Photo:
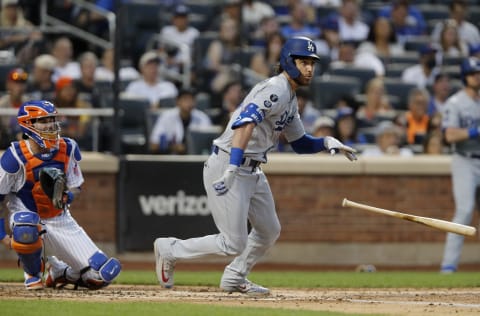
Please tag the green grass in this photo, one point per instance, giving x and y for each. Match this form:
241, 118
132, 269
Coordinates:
51, 307
300, 279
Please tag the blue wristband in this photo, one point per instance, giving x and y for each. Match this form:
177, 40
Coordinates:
2, 228
236, 156
473, 132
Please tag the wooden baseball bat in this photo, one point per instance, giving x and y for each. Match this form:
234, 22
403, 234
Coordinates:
427, 221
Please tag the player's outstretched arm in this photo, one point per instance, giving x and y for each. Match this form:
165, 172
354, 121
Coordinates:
308, 144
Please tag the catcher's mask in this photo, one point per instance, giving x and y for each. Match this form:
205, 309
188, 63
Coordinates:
37, 119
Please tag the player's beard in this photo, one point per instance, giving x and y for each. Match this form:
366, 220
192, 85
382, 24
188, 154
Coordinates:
302, 80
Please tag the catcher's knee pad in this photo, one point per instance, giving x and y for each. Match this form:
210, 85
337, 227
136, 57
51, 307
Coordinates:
26, 231
26, 241
102, 270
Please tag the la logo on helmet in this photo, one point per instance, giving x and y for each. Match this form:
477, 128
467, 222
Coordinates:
310, 46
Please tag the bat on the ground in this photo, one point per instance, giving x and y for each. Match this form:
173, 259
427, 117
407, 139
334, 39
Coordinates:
427, 221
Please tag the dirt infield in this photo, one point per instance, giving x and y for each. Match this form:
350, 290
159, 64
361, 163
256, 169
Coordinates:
356, 301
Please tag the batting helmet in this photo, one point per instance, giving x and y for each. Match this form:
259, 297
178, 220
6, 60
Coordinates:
296, 47
469, 66
45, 135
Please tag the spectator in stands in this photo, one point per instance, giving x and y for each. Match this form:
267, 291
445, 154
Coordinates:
299, 25
220, 60
105, 71
350, 25
62, 50
253, 12
346, 127
441, 90
388, 141
423, 73
85, 85
231, 9
450, 44
169, 132
348, 56
269, 25
377, 107
323, 126
382, 40
408, 21
40, 85
232, 96
263, 63
16, 32
178, 33
467, 30
149, 85
77, 127
16, 83
329, 42
415, 120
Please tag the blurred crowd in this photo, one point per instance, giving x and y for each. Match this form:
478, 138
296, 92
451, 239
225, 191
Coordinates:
386, 70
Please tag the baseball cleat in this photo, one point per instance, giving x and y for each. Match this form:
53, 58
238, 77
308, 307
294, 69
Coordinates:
448, 270
247, 287
56, 271
33, 282
164, 262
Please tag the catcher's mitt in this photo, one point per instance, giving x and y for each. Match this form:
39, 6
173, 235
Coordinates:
54, 183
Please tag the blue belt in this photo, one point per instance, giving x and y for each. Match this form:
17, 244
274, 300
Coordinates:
245, 162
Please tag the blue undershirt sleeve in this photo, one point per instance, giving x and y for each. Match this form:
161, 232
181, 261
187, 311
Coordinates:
307, 144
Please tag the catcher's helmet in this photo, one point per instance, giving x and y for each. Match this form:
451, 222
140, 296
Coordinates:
30, 112
469, 66
298, 46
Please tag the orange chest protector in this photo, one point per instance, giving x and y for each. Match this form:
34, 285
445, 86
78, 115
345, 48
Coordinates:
42, 203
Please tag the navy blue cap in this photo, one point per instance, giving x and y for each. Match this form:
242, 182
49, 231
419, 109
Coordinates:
181, 10
427, 49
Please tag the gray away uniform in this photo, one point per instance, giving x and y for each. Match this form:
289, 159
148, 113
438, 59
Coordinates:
250, 196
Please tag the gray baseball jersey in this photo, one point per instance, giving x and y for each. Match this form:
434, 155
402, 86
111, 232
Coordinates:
463, 112
278, 105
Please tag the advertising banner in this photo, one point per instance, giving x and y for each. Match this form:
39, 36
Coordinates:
161, 198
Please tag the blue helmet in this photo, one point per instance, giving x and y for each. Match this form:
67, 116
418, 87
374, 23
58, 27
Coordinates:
469, 66
46, 135
298, 46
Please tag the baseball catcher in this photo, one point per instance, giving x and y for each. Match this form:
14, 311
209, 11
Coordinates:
41, 177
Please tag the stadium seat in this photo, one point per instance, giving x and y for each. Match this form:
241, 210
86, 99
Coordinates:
134, 125
199, 141
328, 89
364, 75
433, 11
400, 89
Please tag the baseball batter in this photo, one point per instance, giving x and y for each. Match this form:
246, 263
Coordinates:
461, 125
39, 223
236, 186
